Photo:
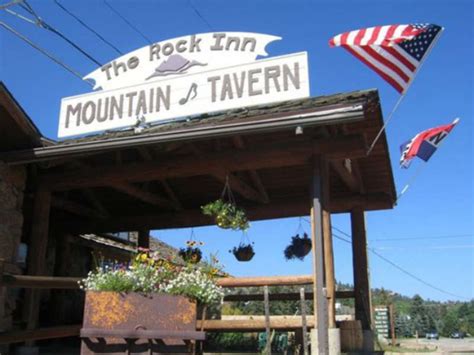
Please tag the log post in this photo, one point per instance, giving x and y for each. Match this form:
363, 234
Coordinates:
268, 345
303, 321
38, 243
361, 276
143, 240
329, 269
319, 336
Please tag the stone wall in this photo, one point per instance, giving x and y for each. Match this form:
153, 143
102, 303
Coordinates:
12, 184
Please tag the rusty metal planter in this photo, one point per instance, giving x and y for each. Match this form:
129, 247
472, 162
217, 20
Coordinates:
122, 323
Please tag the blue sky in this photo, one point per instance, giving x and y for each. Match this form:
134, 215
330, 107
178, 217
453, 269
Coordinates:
438, 204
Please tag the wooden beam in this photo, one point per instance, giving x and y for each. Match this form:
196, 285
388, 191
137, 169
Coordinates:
20, 336
265, 281
329, 269
37, 248
265, 156
143, 195
346, 174
76, 208
281, 296
224, 176
253, 324
171, 195
48, 282
194, 218
238, 185
91, 196
319, 301
240, 144
363, 307
143, 240
148, 156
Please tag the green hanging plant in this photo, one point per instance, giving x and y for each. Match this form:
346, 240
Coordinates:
225, 211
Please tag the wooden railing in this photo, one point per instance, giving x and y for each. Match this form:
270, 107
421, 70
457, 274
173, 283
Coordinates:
49, 282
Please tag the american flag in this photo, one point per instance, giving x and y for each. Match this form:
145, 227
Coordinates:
395, 52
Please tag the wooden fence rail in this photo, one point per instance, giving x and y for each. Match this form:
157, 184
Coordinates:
288, 323
26, 281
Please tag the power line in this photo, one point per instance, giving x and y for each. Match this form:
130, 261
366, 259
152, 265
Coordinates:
414, 276
11, 3
98, 35
392, 263
128, 22
41, 23
421, 238
41, 50
431, 247
403, 270
410, 238
198, 13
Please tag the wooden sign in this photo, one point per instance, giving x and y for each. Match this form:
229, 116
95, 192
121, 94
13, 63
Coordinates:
181, 87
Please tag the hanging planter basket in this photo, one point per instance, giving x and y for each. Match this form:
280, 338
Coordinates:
190, 255
244, 252
225, 212
299, 247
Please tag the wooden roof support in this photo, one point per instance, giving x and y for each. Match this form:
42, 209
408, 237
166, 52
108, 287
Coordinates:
90, 195
188, 218
171, 195
240, 144
268, 156
147, 155
76, 208
236, 184
37, 248
143, 195
345, 172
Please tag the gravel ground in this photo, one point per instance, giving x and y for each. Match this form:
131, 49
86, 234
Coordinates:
443, 345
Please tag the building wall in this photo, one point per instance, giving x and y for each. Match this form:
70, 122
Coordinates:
12, 185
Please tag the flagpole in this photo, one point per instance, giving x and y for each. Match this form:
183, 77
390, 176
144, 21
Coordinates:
404, 93
413, 178
420, 168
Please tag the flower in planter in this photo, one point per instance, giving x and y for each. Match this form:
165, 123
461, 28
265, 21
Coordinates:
244, 252
226, 215
191, 254
148, 275
298, 248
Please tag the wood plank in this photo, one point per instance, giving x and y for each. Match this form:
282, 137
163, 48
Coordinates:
281, 296
47, 282
257, 181
265, 281
272, 155
224, 176
76, 208
171, 195
143, 195
189, 218
346, 175
239, 186
91, 196
19, 336
147, 155
254, 323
